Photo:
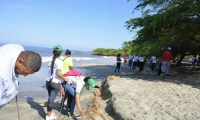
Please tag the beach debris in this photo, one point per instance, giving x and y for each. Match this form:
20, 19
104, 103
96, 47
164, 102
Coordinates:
109, 78
94, 110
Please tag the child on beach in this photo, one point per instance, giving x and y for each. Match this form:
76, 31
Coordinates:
53, 81
74, 88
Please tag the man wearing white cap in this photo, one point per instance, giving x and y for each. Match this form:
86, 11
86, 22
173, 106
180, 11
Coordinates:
167, 56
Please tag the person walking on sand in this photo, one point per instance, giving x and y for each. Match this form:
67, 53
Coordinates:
153, 63
15, 61
130, 59
67, 66
141, 63
167, 56
118, 59
53, 81
74, 88
135, 59
194, 60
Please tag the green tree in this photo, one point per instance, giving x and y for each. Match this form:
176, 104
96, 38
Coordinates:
165, 23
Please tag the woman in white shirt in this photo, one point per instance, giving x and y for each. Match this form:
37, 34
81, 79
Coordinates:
53, 81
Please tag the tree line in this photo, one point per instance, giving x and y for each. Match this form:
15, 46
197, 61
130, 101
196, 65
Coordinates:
174, 23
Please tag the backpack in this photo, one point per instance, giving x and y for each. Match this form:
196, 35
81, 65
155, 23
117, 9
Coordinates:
73, 73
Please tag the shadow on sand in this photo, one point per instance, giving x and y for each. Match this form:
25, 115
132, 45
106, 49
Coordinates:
36, 106
41, 106
177, 75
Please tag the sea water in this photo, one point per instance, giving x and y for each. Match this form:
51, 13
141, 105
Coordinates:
34, 86
79, 58
46, 53
76, 55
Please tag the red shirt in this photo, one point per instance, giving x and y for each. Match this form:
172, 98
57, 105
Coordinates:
125, 57
167, 56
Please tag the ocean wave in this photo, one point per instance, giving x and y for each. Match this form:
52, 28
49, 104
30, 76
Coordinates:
105, 57
48, 58
82, 58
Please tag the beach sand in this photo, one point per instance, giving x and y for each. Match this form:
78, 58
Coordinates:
134, 95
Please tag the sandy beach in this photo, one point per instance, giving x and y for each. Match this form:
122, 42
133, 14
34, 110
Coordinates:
130, 96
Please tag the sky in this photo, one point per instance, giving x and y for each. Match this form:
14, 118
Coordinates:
75, 24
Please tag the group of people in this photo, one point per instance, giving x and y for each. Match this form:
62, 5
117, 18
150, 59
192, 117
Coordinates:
133, 62
139, 61
136, 61
61, 74
61, 78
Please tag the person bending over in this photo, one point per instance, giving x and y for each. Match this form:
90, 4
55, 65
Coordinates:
74, 88
15, 61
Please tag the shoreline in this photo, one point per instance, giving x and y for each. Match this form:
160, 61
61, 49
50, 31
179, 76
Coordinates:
133, 96
33, 84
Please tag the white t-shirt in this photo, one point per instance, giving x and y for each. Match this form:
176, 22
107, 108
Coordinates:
141, 59
77, 82
153, 59
130, 57
58, 64
8, 78
135, 58
118, 59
